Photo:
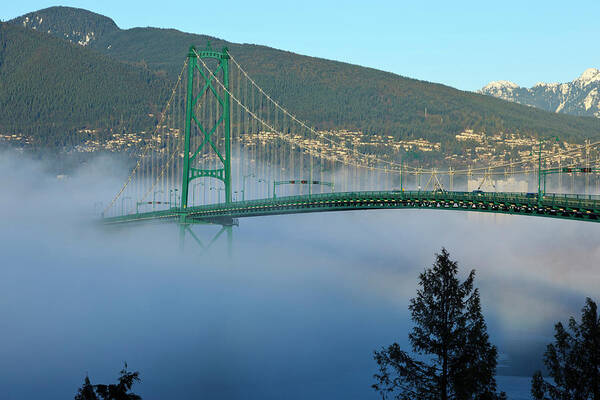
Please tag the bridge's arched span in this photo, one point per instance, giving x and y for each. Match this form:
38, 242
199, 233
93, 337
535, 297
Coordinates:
574, 207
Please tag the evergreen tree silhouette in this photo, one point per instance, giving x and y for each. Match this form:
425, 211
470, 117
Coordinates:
118, 391
450, 331
86, 392
573, 360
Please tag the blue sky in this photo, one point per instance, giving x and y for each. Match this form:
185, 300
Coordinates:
464, 44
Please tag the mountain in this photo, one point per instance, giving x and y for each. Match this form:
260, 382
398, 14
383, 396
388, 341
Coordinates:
53, 90
75, 25
327, 94
578, 97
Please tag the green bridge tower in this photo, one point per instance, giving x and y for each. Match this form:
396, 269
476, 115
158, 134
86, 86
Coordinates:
199, 77
210, 87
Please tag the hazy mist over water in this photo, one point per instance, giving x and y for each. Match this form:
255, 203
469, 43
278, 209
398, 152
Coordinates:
295, 312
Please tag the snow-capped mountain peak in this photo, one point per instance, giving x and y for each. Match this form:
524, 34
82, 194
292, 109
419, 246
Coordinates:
500, 85
579, 97
501, 89
590, 75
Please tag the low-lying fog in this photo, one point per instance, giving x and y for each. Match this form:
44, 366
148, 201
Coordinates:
294, 313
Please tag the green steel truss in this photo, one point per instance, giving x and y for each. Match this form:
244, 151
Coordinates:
196, 72
186, 228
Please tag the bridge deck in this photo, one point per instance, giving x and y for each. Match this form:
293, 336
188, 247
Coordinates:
575, 207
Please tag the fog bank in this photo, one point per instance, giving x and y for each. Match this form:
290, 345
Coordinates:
295, 311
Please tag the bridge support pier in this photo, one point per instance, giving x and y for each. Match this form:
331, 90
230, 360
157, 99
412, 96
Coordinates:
226, 227
182, 229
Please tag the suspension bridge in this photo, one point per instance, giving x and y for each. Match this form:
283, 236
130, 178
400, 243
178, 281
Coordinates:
223, 149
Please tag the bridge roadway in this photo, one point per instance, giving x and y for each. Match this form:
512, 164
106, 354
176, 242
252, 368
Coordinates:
573, 207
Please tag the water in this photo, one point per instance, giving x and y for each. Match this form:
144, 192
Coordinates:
295, 312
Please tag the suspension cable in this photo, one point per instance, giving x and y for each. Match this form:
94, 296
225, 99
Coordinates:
291, 116
276, 131
149, 146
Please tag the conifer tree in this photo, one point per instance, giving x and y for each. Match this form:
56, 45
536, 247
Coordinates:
450, 331
118, 391
86, 392
573, 360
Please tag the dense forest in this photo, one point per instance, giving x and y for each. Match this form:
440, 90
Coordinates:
328, 94
51, 89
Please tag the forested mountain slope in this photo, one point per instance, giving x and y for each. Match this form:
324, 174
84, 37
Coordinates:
50, 88
328, 94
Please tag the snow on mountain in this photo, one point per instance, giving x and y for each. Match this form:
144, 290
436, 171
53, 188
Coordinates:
501, 89
578, 97
501, 85
78, 26
589, 76
544, 84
